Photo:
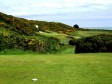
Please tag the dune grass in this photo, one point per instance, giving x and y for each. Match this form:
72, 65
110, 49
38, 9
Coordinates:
56, 69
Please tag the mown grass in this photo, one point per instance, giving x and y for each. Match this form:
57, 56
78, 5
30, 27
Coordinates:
16, 52
56, 69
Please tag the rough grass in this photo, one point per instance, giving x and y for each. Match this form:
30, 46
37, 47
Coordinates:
56, 69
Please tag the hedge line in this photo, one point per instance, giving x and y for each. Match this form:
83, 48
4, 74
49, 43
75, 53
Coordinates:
98, 43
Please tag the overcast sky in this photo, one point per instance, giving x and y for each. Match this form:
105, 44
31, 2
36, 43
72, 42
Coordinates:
85, 13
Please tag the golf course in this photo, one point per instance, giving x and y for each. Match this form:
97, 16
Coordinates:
41, 52
91, 68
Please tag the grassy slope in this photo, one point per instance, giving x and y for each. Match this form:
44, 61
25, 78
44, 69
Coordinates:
56, 69
27, 27
54, 26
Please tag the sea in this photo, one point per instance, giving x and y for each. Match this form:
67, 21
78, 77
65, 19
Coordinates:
102, 28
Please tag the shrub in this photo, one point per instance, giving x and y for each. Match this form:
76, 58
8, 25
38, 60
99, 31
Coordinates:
98, 43
73, 42
44, 45
6, 42
76, 26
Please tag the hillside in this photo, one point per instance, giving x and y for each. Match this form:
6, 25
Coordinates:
28, 27
19, 33
54, 26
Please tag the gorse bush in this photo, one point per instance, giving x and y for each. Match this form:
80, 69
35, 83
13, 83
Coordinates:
6, 42
98, 43
19, 25
33, 44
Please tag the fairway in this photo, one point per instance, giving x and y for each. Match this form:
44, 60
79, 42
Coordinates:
56, 69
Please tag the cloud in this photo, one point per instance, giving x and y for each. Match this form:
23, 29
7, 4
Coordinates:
59, 10
25, 7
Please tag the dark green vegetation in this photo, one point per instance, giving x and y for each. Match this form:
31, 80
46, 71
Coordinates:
92, 41
56, 69
76, 26
97, 43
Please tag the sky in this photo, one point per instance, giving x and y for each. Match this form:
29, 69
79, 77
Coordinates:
85, 13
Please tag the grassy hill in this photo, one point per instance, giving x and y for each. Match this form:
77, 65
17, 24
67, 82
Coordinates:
55, 27
27, 27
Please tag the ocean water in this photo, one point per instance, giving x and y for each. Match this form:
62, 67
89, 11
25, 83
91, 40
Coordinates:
104, 28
